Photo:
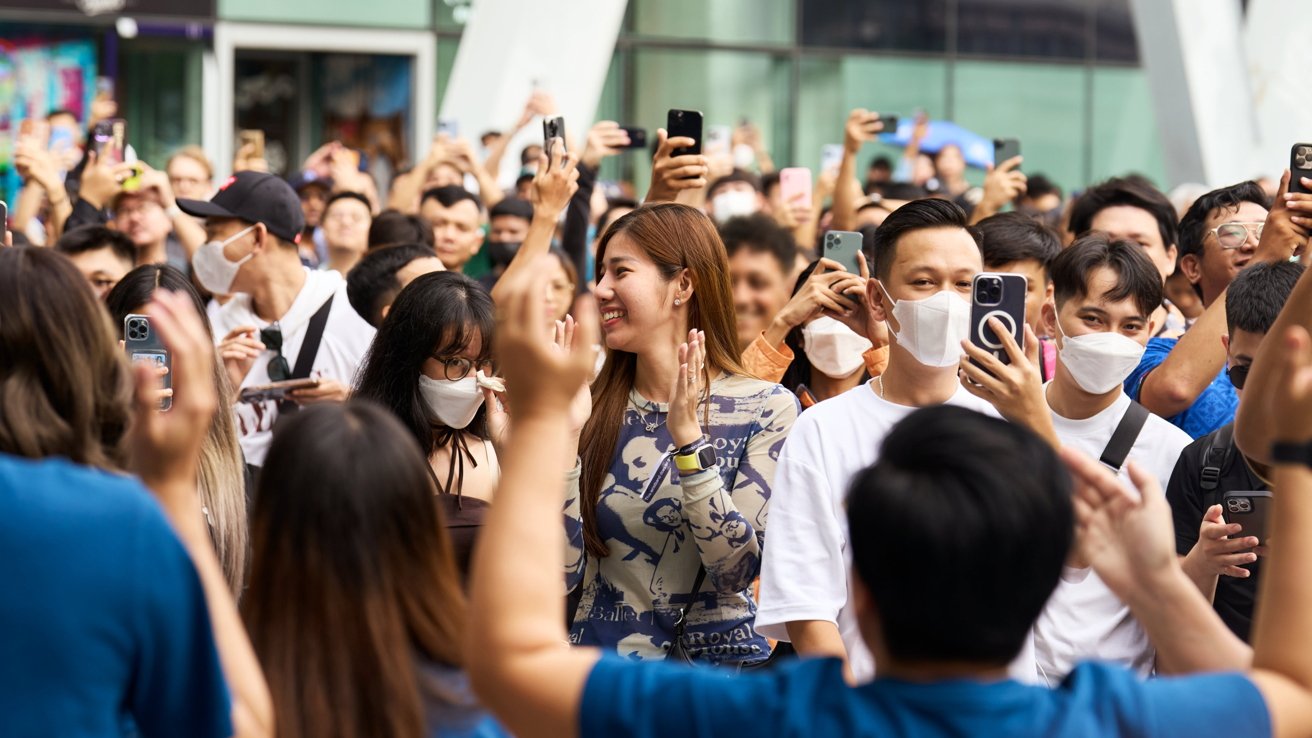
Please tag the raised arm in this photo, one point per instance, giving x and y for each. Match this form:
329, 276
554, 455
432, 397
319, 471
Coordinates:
1002, 185
519, 660
1282, 641
554, 184
671, 175
862, 126
164, 450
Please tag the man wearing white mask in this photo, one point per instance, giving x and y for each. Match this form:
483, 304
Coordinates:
925, 258
1104, 294
284, 321
734, 195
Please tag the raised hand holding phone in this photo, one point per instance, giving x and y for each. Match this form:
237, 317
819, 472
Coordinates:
605, 138
1015, 388
556, 181
670, 173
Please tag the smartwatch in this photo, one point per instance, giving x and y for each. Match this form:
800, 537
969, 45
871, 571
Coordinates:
696, 457
1298, 452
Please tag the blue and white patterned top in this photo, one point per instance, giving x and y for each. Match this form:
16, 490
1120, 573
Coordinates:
660, 527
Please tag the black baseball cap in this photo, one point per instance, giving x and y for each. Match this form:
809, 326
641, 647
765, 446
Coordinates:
255, 197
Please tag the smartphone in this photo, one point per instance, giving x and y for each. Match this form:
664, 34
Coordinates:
842, 247
890, 121
685, 123
831, 157
1002, 296
1004, 149
105, 88
795, 186
718, 140
276, 391
61, 139
553, 128
637, 137
109, 139
449, 126
1300, 165
143, 344
253, 137
1250, 509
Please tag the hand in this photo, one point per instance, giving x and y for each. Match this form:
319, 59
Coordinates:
861, 319
686, 390
825, 184
544, 380
164, 446
829, 290
154, 179
461, 153
581, 408
604, 139
245, 160
100, 182
239, 350
671, 174
1128, 538
498, 420
1003, 184
556, 181
345, 172
1015, 389
1290, 409
328, 390
921, 128
1215, 553
1288, 223
35, 164
539, 102
862, 126
318, 162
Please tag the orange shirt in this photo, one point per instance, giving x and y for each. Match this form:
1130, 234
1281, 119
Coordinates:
770, 363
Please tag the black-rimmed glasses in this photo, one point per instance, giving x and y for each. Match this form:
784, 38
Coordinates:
458, 367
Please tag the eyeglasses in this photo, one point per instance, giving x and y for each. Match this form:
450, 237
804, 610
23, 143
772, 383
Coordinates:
458, 367
271, 337
1235, 235
1238, 374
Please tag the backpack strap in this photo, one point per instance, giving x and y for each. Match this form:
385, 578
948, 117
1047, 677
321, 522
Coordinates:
1126, 433
309, 349
1217, 458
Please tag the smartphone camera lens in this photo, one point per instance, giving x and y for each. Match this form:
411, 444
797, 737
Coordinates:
138, 329
988, 291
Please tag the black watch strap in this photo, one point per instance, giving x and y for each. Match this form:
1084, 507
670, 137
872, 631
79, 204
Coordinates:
1291, 452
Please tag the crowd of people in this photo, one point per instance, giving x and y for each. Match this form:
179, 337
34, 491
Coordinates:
449, 456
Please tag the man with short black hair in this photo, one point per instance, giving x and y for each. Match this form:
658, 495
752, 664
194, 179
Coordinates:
347, 217
508, 223
374, 283
392, 227
103, 255
736, 194
284, 321
1218, 555
1183, 379
457, 218
1018, 244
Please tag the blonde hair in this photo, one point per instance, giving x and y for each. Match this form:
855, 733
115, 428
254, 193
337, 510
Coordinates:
196, 154
221, 484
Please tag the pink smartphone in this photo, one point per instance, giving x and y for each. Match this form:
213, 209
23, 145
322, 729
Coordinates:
795, 186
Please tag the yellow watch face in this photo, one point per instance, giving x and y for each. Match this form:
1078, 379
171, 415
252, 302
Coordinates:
687, 463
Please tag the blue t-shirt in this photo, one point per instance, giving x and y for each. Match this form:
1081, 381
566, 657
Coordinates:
1214, 408
104, 624
809, 698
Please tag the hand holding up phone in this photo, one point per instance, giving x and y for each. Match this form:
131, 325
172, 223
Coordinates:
862, 126
671, 174
1015, 387
606, 138
555, 183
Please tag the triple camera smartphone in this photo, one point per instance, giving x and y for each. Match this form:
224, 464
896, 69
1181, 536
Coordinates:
144, 345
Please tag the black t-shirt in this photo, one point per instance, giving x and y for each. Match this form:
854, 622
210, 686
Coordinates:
1234, 596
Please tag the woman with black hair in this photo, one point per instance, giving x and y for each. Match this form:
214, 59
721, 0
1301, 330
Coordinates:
829, 358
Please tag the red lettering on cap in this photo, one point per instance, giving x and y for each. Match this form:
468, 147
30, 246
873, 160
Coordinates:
224, 186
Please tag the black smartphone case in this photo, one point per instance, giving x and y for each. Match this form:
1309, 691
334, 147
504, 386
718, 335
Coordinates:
842, 247
1004, 149
1249, 509
685, 123
146, 346
552, 128
1300, 165
1011, 311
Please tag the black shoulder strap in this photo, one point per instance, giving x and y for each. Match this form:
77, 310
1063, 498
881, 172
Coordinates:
692, 600
1216, 461
309, 350
1127, 432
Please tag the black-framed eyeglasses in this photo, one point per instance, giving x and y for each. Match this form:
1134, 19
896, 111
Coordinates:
458, 367
1235, 235
279, 369
1238, 374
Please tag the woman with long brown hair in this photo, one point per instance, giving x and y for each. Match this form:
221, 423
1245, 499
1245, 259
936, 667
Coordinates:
221, 472
677, 458
354, 606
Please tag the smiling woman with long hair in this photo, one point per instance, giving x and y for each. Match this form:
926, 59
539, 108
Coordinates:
678, 456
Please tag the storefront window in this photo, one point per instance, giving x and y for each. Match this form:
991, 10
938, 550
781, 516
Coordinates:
891, 25
1054, 29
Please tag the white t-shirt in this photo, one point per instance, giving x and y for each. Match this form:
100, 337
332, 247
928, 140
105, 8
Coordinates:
1083, 619
346, 338
806, 561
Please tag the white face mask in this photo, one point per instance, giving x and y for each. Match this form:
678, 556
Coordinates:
833, 349
1099, 362
732, 204
452, 403
213, 269
932, 329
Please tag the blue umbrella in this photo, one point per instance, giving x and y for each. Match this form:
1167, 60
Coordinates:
977, 150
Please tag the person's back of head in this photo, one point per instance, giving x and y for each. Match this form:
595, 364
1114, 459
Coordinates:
393, 227
1258, 294
978, 548
65, 387
353, 591
374, 283
1012, 237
